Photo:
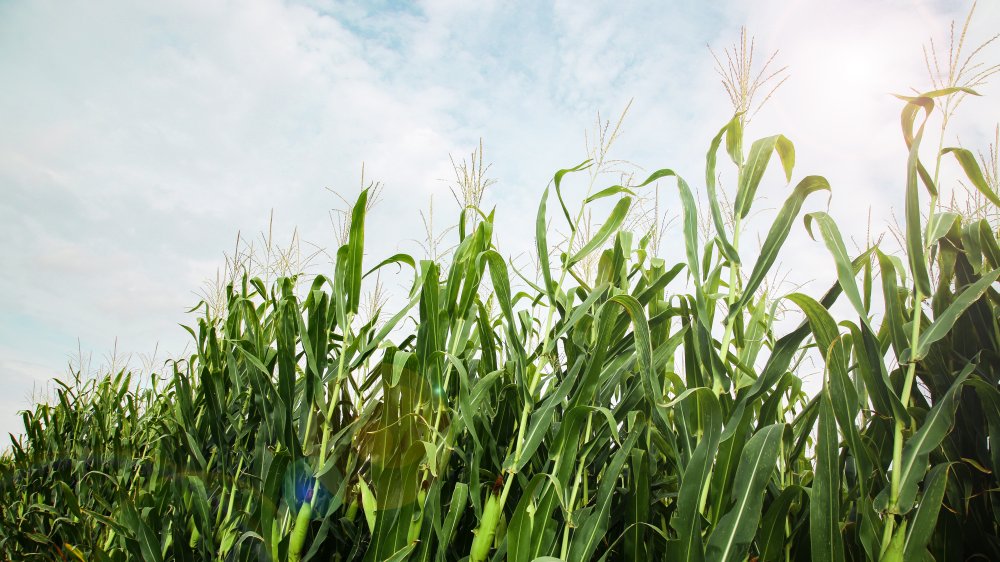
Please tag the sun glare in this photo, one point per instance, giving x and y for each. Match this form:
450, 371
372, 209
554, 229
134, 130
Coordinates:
856, 68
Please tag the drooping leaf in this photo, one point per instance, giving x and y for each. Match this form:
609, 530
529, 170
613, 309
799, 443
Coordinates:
754, 166
734, 134
975, 174
835, 244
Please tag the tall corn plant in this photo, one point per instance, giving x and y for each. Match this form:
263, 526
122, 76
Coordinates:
653, 413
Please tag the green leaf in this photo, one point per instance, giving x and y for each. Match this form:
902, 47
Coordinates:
149, 545
824, 500
946, 320
727, 462
369, 503
971, 167
501, 282
608, 192
731, 538
913, 228
557, 181
755, 165
690, 220
843, 394
401, 554
581, 310
925, 519
643, 344
395, 510
925, 101
542, 248
522, 522
610, 226
990, 398
541, 419
734, 138
943, 223
835, 244
270, 498
777, 235
459, 501
399, 362
781, 357
734, 135
918, 448
872, 370
355, 252
637, 507
595, 525
687, 519
894, 318
988, 239
771, 536
398, 258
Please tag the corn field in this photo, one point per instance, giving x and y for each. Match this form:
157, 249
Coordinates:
652, 411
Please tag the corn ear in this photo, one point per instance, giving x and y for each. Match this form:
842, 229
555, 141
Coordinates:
483, 536
299, 530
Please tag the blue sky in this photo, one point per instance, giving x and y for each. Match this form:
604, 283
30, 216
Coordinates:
139, 138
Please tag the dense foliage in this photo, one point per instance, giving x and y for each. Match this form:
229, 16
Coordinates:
648, 412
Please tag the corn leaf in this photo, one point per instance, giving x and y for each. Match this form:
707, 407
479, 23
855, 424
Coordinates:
733, 133
918, 448
835, 244
771, 537
731, 538
925, 519
753, 169
824, 499
777, 235
687, 519
943, 324
593, 527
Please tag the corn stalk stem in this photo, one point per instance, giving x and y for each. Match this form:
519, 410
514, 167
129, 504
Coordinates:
572, 497
334, 399
734, 275
918, 298
457, 336
734, 278
900, 425
547, 342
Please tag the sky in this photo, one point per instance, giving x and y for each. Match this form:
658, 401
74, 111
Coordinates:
138, 138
